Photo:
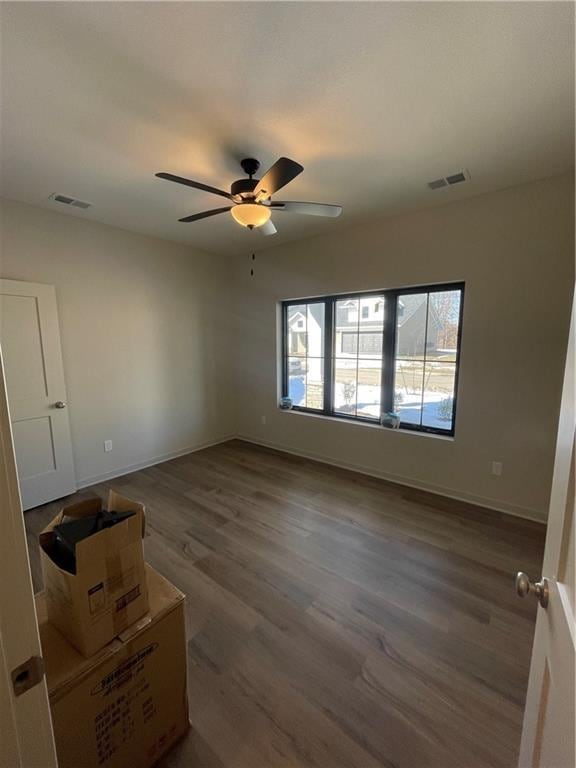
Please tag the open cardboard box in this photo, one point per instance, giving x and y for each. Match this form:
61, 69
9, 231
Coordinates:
127, 704
108, 592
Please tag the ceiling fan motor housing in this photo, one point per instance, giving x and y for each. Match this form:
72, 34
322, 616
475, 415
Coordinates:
243, 187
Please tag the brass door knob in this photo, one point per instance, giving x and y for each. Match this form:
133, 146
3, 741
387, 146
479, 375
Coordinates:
526, 587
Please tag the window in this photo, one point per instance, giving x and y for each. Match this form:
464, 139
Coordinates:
304, 363
361, 355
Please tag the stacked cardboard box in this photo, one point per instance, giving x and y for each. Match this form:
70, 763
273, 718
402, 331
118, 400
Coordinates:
115, 667
106, 592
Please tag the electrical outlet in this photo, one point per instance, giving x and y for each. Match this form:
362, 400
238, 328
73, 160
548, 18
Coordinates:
107, 446
263, 419
497, 468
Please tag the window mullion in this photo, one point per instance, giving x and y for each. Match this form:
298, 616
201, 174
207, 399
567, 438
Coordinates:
357, 353
388, 367
424, 356
285, 350
306, 357
328, 363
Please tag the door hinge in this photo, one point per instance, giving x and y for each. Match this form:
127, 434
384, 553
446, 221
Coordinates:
27, 675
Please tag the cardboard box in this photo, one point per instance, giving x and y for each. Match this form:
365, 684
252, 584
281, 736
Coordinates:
108, 591
127, 704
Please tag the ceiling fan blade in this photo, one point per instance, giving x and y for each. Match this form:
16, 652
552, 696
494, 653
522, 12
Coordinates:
194, 184
205, 214
268, 228
276, 177
310, 209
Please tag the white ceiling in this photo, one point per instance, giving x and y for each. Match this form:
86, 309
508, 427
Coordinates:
374, 99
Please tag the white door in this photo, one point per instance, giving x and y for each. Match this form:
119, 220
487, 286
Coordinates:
548, 733
26, 739
30, 340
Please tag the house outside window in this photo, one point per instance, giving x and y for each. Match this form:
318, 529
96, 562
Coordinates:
362, 355
305, 361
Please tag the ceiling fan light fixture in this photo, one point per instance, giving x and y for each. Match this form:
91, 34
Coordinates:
250, 214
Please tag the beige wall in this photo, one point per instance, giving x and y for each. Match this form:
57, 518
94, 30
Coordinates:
156, 361
144, 328
515, 251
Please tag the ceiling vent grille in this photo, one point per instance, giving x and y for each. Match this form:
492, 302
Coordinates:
448, 181
437, 183
74, 202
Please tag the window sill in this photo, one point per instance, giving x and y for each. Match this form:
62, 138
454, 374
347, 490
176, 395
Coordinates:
367, 424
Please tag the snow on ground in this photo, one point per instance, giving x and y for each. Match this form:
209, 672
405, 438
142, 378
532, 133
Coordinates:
368, 405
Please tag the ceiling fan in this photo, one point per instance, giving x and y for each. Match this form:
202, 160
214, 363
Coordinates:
251, 198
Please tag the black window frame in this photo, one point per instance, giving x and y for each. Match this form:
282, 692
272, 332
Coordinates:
390, 296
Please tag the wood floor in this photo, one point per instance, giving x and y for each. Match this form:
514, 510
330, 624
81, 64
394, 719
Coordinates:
335, 620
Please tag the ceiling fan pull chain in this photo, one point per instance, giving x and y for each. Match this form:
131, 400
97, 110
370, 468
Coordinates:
252, 269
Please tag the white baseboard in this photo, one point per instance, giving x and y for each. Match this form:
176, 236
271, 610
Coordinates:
86, 481
481, 501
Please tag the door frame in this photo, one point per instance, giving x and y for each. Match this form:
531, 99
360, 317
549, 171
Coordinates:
26, 737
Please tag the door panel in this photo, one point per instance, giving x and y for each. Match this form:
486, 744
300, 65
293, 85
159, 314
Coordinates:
557, 745
34, 447
30, 340
22, 347
548, 732
553, 745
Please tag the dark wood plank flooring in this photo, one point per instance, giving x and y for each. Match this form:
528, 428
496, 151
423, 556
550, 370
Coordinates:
335, 620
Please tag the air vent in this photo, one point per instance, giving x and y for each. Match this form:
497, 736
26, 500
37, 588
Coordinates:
456, 178
65, 200
447, 181
437, 183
